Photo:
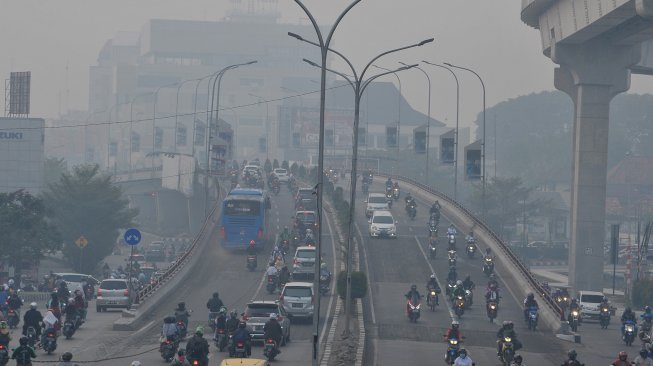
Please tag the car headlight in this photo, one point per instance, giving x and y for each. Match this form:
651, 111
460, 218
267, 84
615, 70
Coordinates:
375, 228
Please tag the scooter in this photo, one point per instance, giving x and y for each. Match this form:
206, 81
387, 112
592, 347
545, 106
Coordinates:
221, 339
532, 318
507, 351
272, 284
471, 249
251, 262
432, 248
50, 342
168, 349
453, 347
68, 329
270, 349
414, 306
13, 318
492, 309
395, 193
4, 355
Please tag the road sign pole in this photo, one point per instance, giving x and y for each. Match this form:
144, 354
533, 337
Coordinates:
131, 268
81, 252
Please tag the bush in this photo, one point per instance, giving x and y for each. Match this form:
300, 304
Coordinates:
642, 293
358, 284
294, 168
301, 171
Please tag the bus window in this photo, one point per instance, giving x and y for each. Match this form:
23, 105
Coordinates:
242, 208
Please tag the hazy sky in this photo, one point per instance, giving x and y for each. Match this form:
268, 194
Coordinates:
59, 40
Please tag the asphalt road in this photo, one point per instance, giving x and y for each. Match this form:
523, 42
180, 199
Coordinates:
395, 264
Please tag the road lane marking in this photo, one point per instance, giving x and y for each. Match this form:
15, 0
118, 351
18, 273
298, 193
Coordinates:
446, 301
333, 295
367, 270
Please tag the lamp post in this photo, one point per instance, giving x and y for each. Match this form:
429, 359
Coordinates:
428, 121
483, 139
359, 85
156, 96
177, 107
324, 49
131, 121
455, 143
398, 114
115, 107
267, 123
214, 96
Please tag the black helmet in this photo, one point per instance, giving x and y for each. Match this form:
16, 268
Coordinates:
628, 310
518, 358
23, 341
181, 352
67, 356
572, 354
233, 314
462, 351
530, 296
181, 306
643, 352
216, 295
413, 287
242, 325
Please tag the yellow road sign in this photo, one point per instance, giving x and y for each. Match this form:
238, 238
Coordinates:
81, 242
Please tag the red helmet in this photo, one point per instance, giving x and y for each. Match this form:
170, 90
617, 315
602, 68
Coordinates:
623, 356
252, 243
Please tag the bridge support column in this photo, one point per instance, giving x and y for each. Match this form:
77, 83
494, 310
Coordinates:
591, 74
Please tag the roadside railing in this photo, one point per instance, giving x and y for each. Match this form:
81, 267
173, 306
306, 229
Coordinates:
523, 270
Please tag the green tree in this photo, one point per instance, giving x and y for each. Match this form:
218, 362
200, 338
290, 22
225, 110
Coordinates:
294, 168
301, 171
27, 232
54, 168
86, 203
267, 166
284, 164
275, 164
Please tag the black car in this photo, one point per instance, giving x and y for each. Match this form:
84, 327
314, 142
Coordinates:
155, 252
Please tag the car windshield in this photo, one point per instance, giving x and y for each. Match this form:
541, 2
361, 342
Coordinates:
74, 277
261, 310
376, 199
383, 220
242, 208
297, 292
305, 254
592, 299
113, 285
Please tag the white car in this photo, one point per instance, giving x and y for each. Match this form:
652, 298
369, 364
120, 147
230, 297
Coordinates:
376, 201
383, 224
282, 175
75, 281
590, 304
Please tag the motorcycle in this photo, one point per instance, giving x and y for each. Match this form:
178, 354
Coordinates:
414, 306
13, 318
272, 284
388, 198
604, 317
452, 258
452, 241
239, 350
532, 318
471, 249
168, 349
68, 329
275, 189
488, 266
629, 332
270, 349
285, 246
451, 285
50, 342
492, 309
325, 282
412, 211
221, 339
4, 355
31, 336
469, 298
453, 346
182, 329
212, 316
432, 299
507, 351
459, 305
395, 193
433, 229
574, 320
251, 262
432, 248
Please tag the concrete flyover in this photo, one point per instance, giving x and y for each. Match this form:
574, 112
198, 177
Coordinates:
597, 44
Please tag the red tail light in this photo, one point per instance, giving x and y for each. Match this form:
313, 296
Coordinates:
2, 346
279, 318
196, 363
270, 341
241, 344
260, 234
167, 341
220, 331
126, 293
245, 318
222, 232
51, 335
99, 292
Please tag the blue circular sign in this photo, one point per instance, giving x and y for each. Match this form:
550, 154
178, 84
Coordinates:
132, 236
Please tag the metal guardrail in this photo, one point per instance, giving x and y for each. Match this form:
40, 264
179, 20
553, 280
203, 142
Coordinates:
526, 273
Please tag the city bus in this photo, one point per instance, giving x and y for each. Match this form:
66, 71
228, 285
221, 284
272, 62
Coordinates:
245, 217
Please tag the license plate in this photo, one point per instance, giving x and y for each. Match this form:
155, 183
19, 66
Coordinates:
297, 305
307, 264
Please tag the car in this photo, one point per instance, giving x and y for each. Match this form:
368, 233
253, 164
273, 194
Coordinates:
113, 293
303, 264
306, 199
282, 175
137, 258
75, 280
148, 271
376, 201
257, 313
296, 299
590, 303
382, 223
309, 218
155, 252
244, 362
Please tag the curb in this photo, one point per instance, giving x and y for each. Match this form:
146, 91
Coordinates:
544, 263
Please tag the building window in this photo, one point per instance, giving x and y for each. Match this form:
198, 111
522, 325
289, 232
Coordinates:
181, 136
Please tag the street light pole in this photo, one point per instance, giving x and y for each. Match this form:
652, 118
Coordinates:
131, 121
115, 107
455, 143
428, 122
177, 106
398, 115
156, 96
267, 123
483, 176
324, 48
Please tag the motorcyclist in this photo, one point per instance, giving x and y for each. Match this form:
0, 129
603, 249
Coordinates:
251, 249
5, 337
181, 359
452, 275
459, 290
198, 348
71, 311
571, 359
66, 360
232, 322
181, 314
451, 230
647, 317
409, 199
435, 208
285, 234
220, 321
215, 303
23, 354
242, 334
14, 302
272, 329
412, 294
169, 329
80, 303
492, 283
50, 322
284, 275
388, 184
622, 359
529, 302
63, 291
470, 238
463, 359
272, 270
517, 361
573, 306
468, 284
507, 330
453, 332
32, 318
433, 284
643, 359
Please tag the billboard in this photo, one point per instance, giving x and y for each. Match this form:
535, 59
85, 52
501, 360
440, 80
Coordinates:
448, 147
301, 125
473, 169
19, 93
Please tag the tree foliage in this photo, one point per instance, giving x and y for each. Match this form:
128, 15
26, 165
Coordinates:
86, 203
27, 232
275, 164
267, 166
284, 164
54, 168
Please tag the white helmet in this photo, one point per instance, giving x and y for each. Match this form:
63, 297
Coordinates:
32, 305
11, 282
459, 283
433, 276
136, 363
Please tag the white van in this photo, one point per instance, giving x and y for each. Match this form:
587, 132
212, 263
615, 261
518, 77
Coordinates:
590, 304
376, 201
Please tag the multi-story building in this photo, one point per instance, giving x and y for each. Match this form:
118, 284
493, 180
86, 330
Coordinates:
21, 154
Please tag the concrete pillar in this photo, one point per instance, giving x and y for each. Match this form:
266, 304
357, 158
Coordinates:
591, 74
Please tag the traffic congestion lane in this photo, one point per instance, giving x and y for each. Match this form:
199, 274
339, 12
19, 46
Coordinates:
474, 323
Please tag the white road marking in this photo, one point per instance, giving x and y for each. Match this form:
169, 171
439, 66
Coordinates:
333, 294
426, 258
367, 270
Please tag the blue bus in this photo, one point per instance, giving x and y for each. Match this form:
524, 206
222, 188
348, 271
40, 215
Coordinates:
245, 217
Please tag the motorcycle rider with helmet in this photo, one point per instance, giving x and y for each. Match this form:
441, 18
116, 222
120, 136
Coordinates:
181, 359
412, 294
435, 208
451, 230
647, 317
507, 330
573, 306
628, 315
408, 199
622, 360
529, 302
285, 235
242, 334
388, 184
66, 360
470, 238
452, 275
468, 284
517, 361
433, 284
459, 290
272, 329
23, 354
572, 361
215, 303
32, 318
463, 359
169, 329
181, 314
643, 359
232, 322
453, 332
251, 249
198, 348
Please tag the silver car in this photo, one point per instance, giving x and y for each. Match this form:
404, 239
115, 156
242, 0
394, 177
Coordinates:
113, 293
297, 299
303, 264
258, 313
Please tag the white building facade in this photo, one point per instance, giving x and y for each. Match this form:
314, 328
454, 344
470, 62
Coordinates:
22, 154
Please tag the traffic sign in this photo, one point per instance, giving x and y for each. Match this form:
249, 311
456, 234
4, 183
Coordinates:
132, 236
81, 242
